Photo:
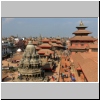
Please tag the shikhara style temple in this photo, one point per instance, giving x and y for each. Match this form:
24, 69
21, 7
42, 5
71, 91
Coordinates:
30, 64
81, 40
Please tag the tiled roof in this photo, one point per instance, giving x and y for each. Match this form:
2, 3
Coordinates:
91, 55
61, 45
83, 38
45, 45
47, 53
89, 67
43, 51
54, 44
45, 40
59, 42
77, 47
82, 31
17, 56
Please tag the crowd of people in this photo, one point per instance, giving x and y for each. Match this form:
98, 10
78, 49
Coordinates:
69, 74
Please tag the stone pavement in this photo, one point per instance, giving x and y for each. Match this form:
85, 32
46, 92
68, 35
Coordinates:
5, 63
56, 74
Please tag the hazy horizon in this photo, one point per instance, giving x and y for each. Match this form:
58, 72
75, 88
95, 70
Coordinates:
47, 27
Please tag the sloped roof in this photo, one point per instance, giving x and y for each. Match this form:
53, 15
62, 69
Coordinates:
45, 40
43, 51
82, 31
59, 42
61, 45
55, 44
17, 56
77, 47
89, 66
83, 38
45, 45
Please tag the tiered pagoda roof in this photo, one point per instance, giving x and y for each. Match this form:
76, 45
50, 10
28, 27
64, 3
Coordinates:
82, 38
45, 45
45, 40
81, 34
43, 51
81, 29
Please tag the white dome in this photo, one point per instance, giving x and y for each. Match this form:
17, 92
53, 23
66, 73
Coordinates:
2, 41
19, 50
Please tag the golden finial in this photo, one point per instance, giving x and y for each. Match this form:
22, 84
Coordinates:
81, 23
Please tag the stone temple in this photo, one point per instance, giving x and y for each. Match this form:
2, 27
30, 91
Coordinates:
30, 64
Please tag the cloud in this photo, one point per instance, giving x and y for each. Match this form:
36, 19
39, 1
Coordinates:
7, 20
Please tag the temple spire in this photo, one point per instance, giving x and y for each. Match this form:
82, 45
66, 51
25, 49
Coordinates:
81, 23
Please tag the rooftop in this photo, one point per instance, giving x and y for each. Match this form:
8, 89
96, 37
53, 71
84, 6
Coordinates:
82, 31
88, 63
45, 40
43, 51
83, 38
45, 45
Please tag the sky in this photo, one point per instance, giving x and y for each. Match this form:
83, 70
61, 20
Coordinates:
47, 27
